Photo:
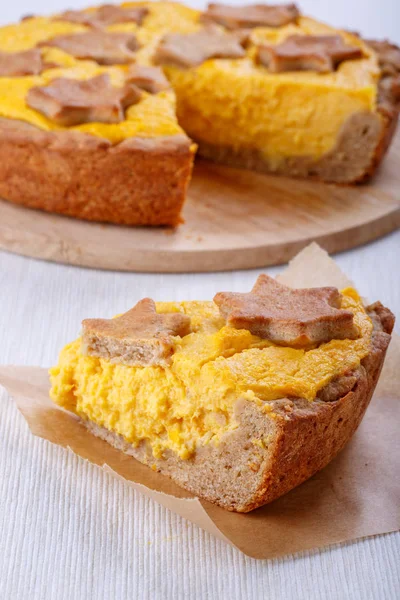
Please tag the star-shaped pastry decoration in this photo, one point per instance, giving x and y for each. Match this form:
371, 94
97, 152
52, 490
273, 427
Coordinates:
103, 47
299, 318
18, 64
70, 102
105, 15
192, 49
150, 79
322, 53
140, 337
250, 16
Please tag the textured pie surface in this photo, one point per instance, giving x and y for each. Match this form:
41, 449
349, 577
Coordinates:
191, 401
221, 100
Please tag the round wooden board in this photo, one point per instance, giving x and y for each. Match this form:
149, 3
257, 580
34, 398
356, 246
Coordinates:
234, 219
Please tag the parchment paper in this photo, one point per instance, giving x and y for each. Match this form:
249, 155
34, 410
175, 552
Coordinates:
357, 495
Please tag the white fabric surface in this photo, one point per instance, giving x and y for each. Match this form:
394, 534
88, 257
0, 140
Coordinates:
70, 531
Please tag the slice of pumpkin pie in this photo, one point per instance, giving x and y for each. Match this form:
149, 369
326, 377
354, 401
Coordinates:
237, 400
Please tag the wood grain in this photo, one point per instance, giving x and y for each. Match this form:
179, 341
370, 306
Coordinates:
234, 219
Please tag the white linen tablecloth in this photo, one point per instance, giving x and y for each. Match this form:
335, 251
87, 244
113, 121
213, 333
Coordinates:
70, 531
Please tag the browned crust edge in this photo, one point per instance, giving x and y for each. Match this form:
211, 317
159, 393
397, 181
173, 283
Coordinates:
305, 437
389, 127
141, 181
389, 110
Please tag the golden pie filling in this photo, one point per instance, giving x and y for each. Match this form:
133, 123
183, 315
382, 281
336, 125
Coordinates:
239, 104
191, 403
223, 102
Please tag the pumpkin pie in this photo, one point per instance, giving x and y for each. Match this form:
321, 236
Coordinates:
239, 399
102, 109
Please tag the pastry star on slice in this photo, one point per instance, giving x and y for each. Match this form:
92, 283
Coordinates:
103, 47
105, 15
254, 15
192, 49
292, 317
322, 53
70, 102
140, 337
16, 64
150, 79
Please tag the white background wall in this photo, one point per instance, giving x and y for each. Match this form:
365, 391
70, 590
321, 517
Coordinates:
373, 18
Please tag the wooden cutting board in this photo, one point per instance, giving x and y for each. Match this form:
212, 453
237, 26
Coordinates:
234, 219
